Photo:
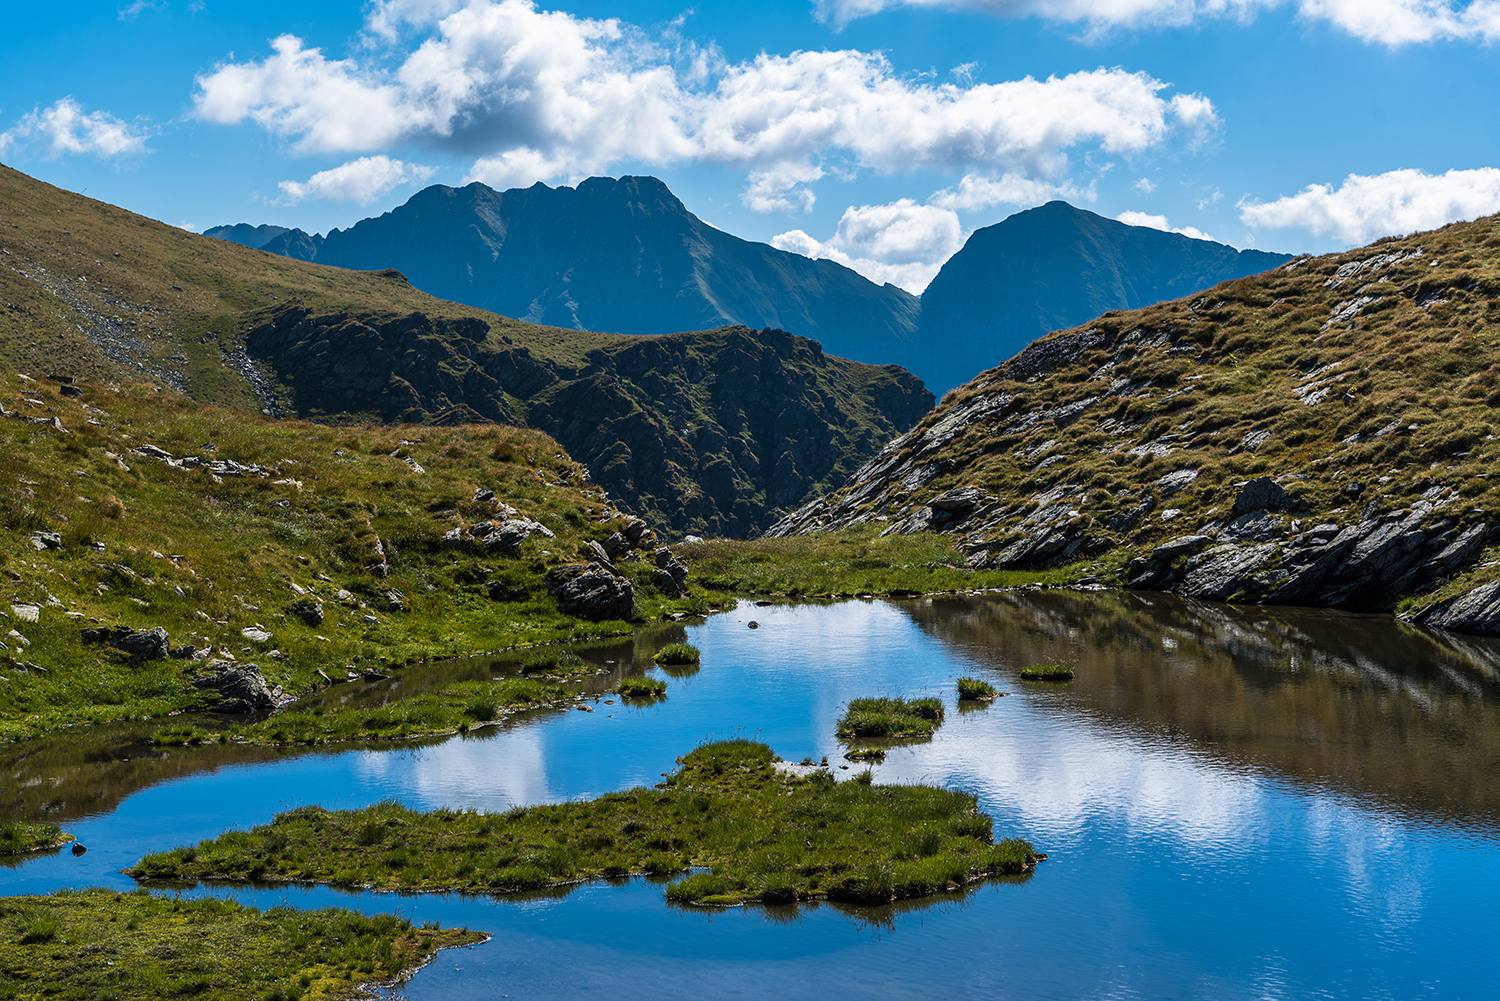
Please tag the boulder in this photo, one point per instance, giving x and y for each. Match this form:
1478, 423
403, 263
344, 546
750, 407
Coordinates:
1261, 494
1476, 611
394, 600
671, 573
141, 644
42, 541
508, 535
240, 686
591, 591
256, 634
595, 551
309, 611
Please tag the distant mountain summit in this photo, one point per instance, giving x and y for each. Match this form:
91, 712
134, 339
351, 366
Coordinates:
626, 256
1051, 268
615, 255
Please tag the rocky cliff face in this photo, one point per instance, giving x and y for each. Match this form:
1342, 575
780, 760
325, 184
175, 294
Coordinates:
618, 255
1322, 434
716, 432
1050, 268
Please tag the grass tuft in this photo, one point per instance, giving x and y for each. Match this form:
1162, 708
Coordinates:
975, 690
642, 688
890, 717
1048, 672
678, 653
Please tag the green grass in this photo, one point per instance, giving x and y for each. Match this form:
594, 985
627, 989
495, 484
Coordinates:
763, 835
95, 945
556, 663
207, 559
678, 653
19, 837
642, 688
890, 717
847, 563
975, 689
1048, 672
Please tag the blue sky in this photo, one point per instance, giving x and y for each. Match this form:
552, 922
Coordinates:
876, 132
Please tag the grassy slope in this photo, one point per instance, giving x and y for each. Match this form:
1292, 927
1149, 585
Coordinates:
97, 945
1208, 372
119, 264
242, 544
767, 836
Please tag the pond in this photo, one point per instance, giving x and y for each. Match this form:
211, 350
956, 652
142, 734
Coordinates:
1237, 803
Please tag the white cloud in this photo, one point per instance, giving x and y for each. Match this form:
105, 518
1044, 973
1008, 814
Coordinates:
133, 10
66, 129
1160, 222
1395, 203
361, 181
780, 189
1144, 186
1386, 22
903, 243
975, 192
543, 95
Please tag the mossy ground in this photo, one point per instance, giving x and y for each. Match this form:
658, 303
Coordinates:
153, 545
848, 563
19, 837
98, 945
765, 835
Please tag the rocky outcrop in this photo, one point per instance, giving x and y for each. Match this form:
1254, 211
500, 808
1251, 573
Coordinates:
1476, 611
241, 688
140, 644
719, 431
591, 591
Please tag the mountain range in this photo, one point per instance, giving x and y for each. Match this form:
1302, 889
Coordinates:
626, 256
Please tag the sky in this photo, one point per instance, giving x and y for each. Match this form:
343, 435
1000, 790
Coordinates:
879, 133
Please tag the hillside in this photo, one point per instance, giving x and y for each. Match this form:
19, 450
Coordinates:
1050, 268
746, 425
294, 547
1323, 434
621, 255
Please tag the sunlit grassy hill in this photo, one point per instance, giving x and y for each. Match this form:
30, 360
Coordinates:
1364, 384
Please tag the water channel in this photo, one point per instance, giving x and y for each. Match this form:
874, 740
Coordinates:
1237, 803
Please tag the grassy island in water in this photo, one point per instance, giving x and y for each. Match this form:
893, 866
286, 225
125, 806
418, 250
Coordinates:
753, 829
98, 945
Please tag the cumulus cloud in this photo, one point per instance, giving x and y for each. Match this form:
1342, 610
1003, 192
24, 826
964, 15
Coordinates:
903, 243
1395, 203
975, 192
543, 95
1385, 22
361, 181
1145, 186
65, 128
1160, 222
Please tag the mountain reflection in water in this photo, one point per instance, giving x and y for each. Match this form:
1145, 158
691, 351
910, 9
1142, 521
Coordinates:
1363, 704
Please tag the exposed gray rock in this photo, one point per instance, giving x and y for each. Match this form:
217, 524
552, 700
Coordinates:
1223, 571
42, 541
1476, 611
596, 551
671, 573
142, 644
1175, 481
634, 529
256, 634
394, 599
241, 687
1261, 494
615, 545
309, 611
509, 535
591, 591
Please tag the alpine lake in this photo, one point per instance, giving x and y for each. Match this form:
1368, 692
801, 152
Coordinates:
1236, 802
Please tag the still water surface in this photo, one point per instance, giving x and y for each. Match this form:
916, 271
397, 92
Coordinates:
1238, 803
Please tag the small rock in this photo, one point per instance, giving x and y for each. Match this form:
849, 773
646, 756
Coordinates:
370, 620
395, 600
753, 624
691, 539
255, 634
483, 496
142, 644
21, 641
26, 612
78, 848
42, 541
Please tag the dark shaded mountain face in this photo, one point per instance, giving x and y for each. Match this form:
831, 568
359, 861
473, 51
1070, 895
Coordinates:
616, 255
246, 234
719, 431
1050, 268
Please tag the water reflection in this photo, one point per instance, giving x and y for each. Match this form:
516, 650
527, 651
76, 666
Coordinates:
1358, 703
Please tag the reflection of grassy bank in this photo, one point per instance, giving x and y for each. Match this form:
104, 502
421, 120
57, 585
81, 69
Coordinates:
856, 561
18, 838
99, 944
765, 835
